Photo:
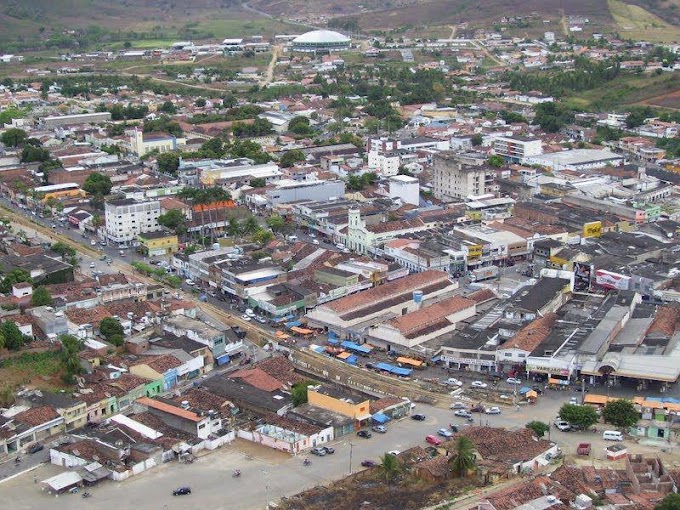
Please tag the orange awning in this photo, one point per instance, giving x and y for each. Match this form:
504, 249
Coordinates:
344, 355
409, 361
591, 398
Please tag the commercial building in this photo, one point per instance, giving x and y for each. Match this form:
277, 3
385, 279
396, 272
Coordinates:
286, 191
126, 218
459, 176
321, 41
575, 159
57, 191
516, 149
405, 188
81, 118
158, 243
364, 238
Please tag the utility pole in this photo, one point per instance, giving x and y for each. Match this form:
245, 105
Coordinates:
351, 447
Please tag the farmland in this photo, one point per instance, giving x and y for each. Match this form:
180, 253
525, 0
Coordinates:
637, 23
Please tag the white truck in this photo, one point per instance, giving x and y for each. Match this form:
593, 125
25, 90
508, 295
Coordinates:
483, 273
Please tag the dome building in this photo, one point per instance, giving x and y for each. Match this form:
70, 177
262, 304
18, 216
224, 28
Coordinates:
318, 41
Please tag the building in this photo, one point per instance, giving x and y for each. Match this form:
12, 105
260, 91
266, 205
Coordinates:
459, 176
286, 190
353, 315
515, 149
58, 191
73, 411
417, 255
363, 238
423, 324
575, 159
199, 424
127, 218
143, 143
158, 243
346, 404
405, 188
81, 118
203, 333
321, 41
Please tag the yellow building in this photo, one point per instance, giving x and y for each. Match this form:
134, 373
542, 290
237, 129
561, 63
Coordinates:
158, 243
345, 404
57, 191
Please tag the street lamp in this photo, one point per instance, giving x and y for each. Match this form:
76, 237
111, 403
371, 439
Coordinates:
351, 447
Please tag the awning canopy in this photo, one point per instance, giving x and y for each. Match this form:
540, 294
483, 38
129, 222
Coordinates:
356, 347
380, 418
63, 481
223, 360
363, 417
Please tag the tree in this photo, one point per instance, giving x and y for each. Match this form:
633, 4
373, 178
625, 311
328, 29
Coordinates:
98, 184
464, 459
16, 275
250, 225
168, 163
276, 223
32, 154
258, 182
263, 236
200, 102
112, 330
538, 427
174, 220
299, 125
670, 502
552, 116
496, 161
41, 297
291, 157
13, 137
14, 339
620, 413
581, 416
390, 467
168, 107
476, 140
233, 228
70, 346
298, 392
638, 116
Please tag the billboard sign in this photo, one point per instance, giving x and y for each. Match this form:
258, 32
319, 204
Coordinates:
592, 229
582, 276
611, 280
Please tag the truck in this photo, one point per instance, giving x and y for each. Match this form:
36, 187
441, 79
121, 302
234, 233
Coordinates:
483, 273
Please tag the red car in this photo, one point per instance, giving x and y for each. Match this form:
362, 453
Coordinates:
433, 440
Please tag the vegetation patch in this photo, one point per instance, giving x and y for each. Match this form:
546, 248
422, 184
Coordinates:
637, 23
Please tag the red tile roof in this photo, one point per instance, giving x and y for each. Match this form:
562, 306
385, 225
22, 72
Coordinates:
37, 415
417, 322
258, 378
169, 409
531, 335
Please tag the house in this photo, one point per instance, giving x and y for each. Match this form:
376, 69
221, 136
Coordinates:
247, 396
522, 344
203, 333
101, 401
288, 435
44, 270
341, 402
167, 368
21, 426
364, 238
154, 244
198, 424
73, 411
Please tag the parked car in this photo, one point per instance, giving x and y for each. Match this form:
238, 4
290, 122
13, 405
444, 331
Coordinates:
462, 413
434, 440
261, 320
93, 243
181, 491
394, 452
329, 450
364, 433
479, 408
513, 380
315, 241
245, 317
92, 265
380, 429
189, 282
418, 417
479, 384
574, 401
369, 463
493, 410
452, 381
318, 451
35, 448
444, 433
562, 425
458, 405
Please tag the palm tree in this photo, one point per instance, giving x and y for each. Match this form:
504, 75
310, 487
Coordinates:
464, 459
389, 465
250, 225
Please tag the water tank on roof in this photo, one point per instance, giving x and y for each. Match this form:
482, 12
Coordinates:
185, 404
418, 297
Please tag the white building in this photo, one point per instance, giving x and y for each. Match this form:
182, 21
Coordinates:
141, 144
386, 164
458, 176
517, 148
576, 159
406, 188
127, 218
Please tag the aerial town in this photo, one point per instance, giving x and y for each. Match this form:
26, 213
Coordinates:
301, 264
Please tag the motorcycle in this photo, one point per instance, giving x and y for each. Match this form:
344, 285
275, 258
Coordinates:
306, 462
87, 495
236, 473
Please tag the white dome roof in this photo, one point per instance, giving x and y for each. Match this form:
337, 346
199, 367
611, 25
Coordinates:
321, 37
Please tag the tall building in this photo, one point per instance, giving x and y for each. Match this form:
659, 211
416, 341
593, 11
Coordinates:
517, 148
126, 218
459, 176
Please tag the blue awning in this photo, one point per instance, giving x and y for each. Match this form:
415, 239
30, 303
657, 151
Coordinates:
380, 418
393, 370
223, 360
352, 360
436, 359
333, 341
384, 366
293, 324
524, 389
356, 347
320, 349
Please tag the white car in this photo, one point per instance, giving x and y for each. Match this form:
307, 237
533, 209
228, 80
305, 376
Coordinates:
479, 384
492, 410
562, 425
444, 433
452, 381
315, 241
513, 380
458, 405
245, 317
189, 282
93, 243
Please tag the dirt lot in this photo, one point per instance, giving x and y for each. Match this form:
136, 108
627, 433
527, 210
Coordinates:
34, 368
368, 489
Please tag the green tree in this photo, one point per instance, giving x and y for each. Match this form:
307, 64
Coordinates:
168, 163
538, 427
669, 502
41, 297
112, 330
637, 116
32, 154
298, 392
14, 339
258, 182
390, 467
463, 458
70, 346
299, 125
13, 137
168, 107
98, 184
250, 225
291, 157
581, 416
200, 102
174, 220
496, 161
620, 413
233, 228
276, 223
476, 140
16, 275
552, 116
263, 236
